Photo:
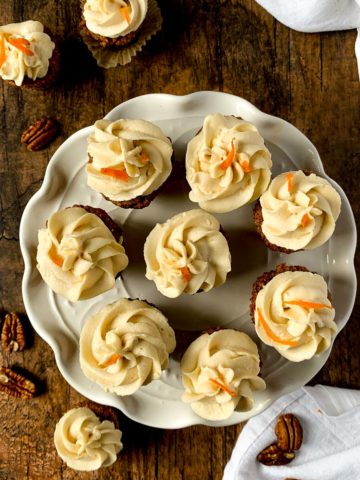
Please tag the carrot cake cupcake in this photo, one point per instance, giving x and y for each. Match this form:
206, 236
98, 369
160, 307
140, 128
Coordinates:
297, 212
88, 437
114, 23
125, 345
292, 312
188, 253
80, 252
28, 56
227, 164
220, 372
129, 160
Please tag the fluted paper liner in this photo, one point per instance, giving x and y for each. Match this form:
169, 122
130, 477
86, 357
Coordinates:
110, 57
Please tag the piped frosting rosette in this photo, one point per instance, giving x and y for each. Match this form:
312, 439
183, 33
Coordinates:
188, 253
77, 255
84, 442
114, 18
227, 164
294, 315
25, 51
128, 158
125, 345
299, 211
220, 373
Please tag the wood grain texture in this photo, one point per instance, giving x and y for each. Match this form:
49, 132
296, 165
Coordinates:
226, 45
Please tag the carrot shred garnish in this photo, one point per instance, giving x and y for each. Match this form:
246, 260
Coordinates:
305, 220
113, 359
55, 257
21, 44
116, 173
223, 387
144, 157
303, 303
289, 178
186, 273
229, 158
245, 165
271, 334
2, 49
126, 14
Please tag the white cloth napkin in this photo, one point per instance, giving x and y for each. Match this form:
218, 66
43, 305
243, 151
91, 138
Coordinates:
331, 438
317, 16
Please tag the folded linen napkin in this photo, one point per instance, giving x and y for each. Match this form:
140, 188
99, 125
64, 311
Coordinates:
330, 418
317, 16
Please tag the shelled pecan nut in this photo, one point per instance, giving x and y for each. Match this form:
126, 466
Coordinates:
273, 455
289, 432
39, 134
12, 333
16, 385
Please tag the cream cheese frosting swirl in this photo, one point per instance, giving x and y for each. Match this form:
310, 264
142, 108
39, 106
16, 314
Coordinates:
25, 50
187, 253
128, 158
85, 443
125, 345
299, 211
227, 164
114, 18
294, 315
220, 372
77, 255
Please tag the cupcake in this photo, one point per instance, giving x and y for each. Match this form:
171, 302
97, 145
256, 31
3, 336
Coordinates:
88, 437
187, 254
297, 212
113, 23
129, 161
125, 345
292, 312
227, 164
220, 373
80, 252
28, 56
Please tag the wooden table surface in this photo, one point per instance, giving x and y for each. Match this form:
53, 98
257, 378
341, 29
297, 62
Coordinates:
234, 46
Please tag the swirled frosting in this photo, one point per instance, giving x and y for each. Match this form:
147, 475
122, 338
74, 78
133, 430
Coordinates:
227, 164
299, 211
114, 18
125, 345
187, 253
77, 255
294, 315
25, 50
128, 158
85, 443
220, 372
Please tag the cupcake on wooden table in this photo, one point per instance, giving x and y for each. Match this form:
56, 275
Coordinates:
292, 311
227, 164
28, 56
297, 212
129, 161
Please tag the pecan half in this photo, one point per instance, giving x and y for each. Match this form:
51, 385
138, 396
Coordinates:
289, 432
39, 134
273, 455
12, 333
16, 385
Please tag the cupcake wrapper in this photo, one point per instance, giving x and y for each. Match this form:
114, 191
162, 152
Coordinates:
109, 57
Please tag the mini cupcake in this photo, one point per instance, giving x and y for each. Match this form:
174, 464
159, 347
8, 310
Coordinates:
227, 164
129, 161
292, 312
88, 437
113, 23
125, 345
297, 212
220, 373
80, 252
187, 254
28, 56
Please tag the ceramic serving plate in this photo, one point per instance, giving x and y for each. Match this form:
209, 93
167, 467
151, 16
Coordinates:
59, 322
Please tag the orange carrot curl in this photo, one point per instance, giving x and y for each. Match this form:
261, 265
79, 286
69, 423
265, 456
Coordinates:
116, 173
2, 49
223, 387
144, 157
55, 257
314, 305
289, 178
245, 165
126, 14
305, 220
229, 158
271, 334
21, 44
186, 274
113, 359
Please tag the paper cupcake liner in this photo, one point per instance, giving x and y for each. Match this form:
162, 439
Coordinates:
109, 57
